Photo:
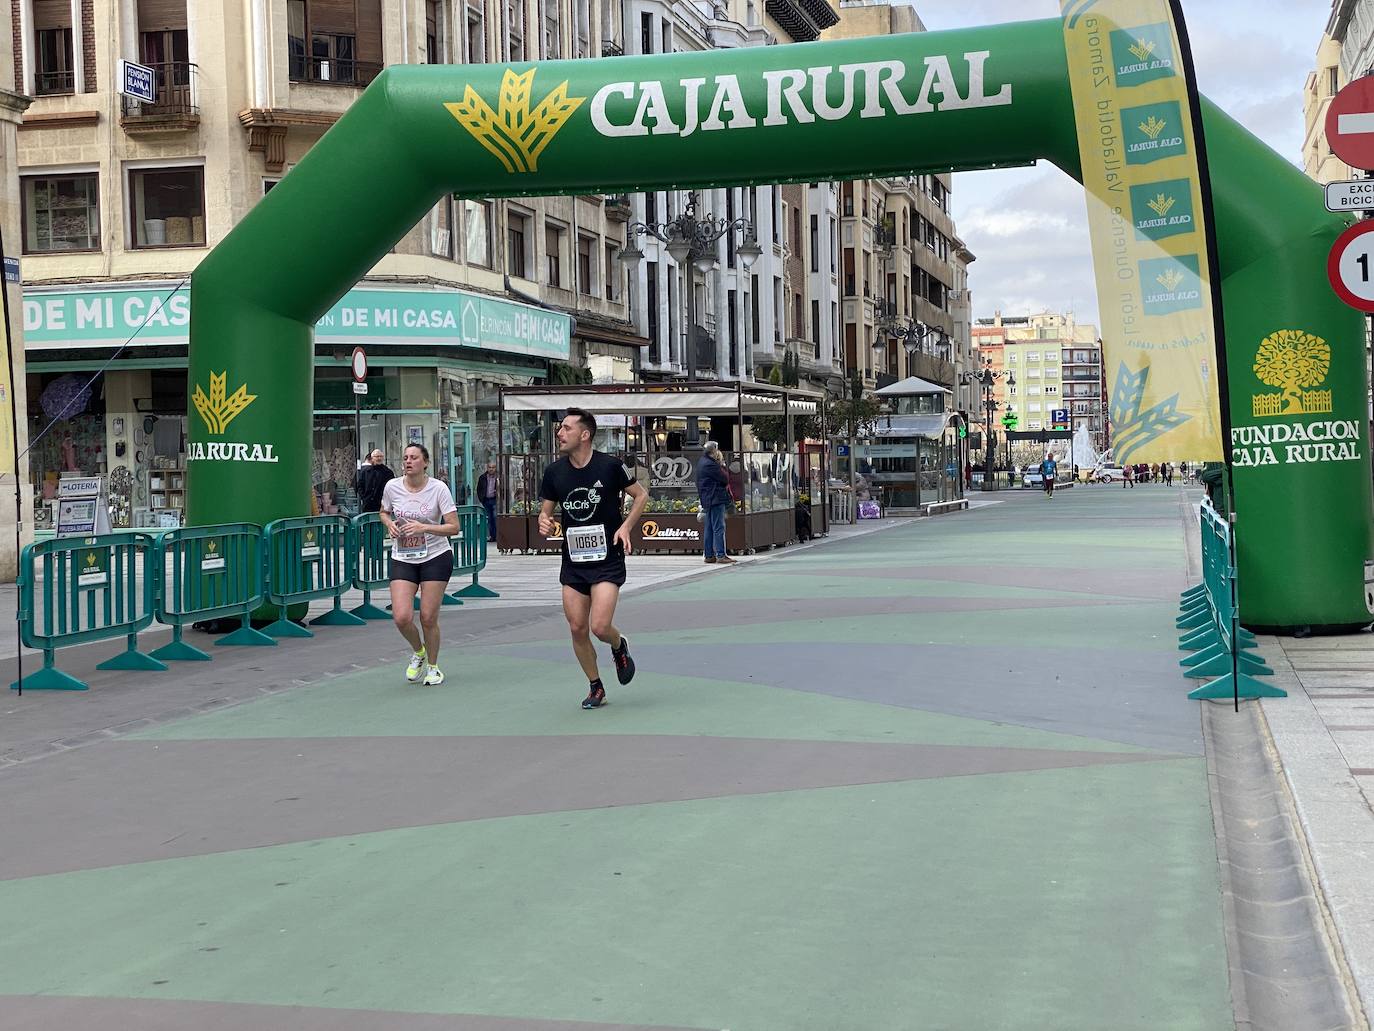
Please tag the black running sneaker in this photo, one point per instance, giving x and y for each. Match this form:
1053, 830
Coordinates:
624, 665
595, 699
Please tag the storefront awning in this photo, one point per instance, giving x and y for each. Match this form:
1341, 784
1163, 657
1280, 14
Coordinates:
668, 401
911, 426
912, 386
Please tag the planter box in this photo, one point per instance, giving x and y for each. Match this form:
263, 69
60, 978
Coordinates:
512, 533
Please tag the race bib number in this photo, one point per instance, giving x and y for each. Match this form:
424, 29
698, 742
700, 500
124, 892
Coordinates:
410, 547
586, 543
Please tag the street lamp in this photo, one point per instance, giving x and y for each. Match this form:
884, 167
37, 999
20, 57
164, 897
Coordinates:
987, 380
690, 241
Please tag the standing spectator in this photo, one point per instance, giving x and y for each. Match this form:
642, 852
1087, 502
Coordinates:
968, 475
1168, 474
487, 487
1128, 477
713, 487
371, 480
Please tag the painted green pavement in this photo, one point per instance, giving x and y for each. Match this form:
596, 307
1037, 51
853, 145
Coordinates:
891, 816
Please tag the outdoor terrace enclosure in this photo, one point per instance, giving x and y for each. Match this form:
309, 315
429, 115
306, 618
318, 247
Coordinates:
849, 109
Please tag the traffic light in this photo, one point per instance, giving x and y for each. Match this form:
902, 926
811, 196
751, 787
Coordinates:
1009, 420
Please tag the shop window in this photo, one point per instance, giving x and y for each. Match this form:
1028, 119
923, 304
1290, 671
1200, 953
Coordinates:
61, 213
167, 207
517, 244
477, 232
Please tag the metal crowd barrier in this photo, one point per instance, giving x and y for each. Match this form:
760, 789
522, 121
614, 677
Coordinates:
209, 572
470, 551
369, 546
308, 558
76, 590
1209, 623
91, 591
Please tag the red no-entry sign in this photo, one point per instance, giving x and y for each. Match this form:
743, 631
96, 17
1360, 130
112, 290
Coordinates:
1351, 266
1350, 123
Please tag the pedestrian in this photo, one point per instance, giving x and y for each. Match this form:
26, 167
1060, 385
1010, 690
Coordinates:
1128, 477
420, 516
1168, 474
1049, 468
713, 488
487, 485
1183, 471
372, 478
588, 484
968, 476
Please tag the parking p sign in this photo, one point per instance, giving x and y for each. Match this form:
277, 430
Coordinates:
137, 81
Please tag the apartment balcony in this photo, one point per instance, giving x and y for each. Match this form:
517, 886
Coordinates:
174, 111
803, 20
612, 48
329, 71
618, 207
54, 84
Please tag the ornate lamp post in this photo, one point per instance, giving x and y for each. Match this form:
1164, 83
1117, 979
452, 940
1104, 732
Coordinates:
987, 380
691, 242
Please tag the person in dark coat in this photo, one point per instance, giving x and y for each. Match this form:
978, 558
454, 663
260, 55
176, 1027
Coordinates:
713, 487
487, 490
371, 480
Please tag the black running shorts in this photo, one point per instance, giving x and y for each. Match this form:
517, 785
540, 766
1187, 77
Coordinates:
437, 569
581, 575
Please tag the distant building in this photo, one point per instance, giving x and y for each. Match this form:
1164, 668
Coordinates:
1323, 83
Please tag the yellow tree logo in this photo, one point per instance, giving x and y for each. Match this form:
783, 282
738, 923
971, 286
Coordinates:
1153, 126
1292, 361
1162, 205
1142, 49
217, 410
514, 133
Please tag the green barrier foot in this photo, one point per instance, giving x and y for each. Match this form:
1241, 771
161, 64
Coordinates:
1192, 608
1206, 655
1226, 688
1196, 591
476, 591
180, 651
1247, 637
1198, 640
338, 617
246, 635
1194, 622
368, 611
132, 660
50, 679
286, 628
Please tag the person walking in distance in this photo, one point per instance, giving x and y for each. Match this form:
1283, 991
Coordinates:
420, 516
1048, 470
486, 491
371, 480
588, 484
1128, 477
713, 488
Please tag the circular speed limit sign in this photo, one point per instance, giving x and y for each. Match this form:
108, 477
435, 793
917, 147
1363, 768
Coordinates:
1351, 266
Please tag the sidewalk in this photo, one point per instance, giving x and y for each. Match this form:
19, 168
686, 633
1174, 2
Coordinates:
1323, 736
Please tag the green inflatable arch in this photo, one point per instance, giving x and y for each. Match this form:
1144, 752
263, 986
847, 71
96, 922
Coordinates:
850, 109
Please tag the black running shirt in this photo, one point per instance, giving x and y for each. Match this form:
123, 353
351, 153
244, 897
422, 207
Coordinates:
590, 497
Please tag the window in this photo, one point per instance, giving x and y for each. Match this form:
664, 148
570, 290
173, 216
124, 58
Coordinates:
730, 236
515, 30
61, 213
1051, 388
517, 239
54, 70
612, 274
441, 232
1033, 373
331, 42
732, 330
834, 244
1032, 356
1034, 424
1333, 85
433, 29
586, 265
477, 226
796, 231
816, 326
1032, 391
167, 207
267, 183
553, 30
815, 243
477, 42
651, 312
646, 33
1051, 372
553, 253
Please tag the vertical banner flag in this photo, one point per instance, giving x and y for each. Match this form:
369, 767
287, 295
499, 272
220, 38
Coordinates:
8, 446
1149, 229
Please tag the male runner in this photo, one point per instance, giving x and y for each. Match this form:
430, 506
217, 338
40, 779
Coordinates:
1049, 468
588, 484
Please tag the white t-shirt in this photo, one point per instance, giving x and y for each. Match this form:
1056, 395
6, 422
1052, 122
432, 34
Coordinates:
429, 504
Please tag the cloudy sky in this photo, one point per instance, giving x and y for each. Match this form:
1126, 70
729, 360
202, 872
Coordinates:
1028, 227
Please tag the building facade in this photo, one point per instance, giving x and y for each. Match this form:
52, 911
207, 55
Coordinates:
1056, 362
1323, 83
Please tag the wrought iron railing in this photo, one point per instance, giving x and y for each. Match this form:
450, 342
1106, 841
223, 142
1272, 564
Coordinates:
331, 71
175, 88
48, 84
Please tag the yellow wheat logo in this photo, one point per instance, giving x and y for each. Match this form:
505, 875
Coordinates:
1152, 127
1162, 205
1170, 279
90, 559
217, 410
516, 135
1143, 49
211, 547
